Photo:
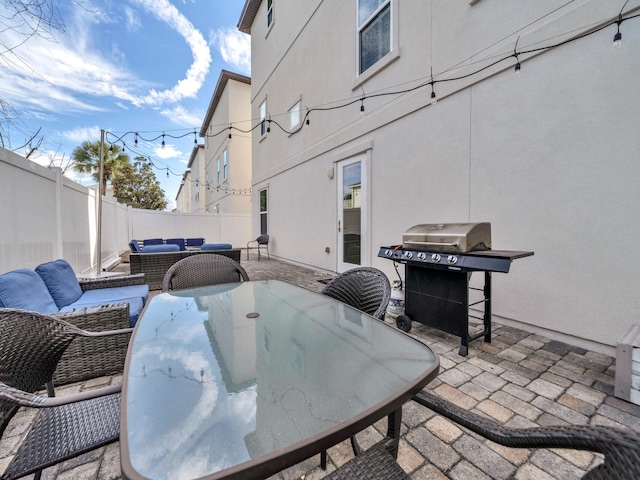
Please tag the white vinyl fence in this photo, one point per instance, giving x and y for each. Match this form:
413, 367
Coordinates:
45, 216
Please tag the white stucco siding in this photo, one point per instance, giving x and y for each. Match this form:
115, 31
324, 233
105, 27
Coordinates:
551, 159
560, 152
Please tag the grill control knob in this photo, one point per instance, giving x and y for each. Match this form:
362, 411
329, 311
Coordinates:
435, 257
452, 259
422, 256
408, 254
388, 253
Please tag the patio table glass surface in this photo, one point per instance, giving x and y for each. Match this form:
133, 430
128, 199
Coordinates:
249, 378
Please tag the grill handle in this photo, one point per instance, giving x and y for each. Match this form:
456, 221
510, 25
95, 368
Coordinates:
439, 244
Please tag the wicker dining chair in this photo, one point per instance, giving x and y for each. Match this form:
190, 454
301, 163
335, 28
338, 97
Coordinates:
201, 270
261, 241
366, 289
621, 448
66, 426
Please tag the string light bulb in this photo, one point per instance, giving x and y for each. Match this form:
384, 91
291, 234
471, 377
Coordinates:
617, 38
195, 139
517, 69
135, 141
229, 130
362, 109
163, 146
434, 100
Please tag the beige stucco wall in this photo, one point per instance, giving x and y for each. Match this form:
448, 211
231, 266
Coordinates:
551, 159
234, 108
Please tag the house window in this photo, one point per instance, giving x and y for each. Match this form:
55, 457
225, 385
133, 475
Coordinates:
263, 118
294, 115
218, 172
263, 211
269, 13
224, 165
374, 31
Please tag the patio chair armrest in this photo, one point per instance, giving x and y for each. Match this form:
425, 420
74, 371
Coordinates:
107, 333
25, 399
100, 318
99, 352
109, 282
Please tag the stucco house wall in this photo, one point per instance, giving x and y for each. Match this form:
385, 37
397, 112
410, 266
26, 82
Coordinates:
551, 158
230, 106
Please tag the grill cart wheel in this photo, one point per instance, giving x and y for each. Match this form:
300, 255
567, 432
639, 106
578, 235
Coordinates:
403, 322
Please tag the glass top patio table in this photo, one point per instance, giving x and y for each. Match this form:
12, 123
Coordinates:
243, 380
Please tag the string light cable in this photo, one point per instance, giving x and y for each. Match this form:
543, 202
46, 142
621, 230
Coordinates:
431, 81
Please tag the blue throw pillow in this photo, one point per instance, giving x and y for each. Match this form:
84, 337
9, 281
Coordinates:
24, 289
135, 246
62, 283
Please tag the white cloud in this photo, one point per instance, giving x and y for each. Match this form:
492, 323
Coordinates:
182, 116
133, 22
234, 46
189, 86
81, 134
168, 151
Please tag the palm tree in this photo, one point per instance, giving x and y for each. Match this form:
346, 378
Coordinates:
87, 160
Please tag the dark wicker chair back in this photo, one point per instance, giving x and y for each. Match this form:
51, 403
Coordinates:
364, 288
201, 270
621, 448
31, 346
261, 241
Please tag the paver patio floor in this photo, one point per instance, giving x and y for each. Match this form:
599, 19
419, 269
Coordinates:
519, 379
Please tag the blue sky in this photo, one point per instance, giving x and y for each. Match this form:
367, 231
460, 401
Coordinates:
147, 66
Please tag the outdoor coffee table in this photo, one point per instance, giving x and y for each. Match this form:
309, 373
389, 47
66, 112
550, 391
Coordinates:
246, 379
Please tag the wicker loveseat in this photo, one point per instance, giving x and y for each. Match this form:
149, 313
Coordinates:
110, 303
155, 265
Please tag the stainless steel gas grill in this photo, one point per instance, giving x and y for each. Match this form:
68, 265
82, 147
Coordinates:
439, 260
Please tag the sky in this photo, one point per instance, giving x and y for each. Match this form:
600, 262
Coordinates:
146, 66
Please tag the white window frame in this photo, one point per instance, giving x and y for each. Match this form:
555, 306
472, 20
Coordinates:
218, 171
295, 115
225, 172
262, 109
270, 13
394, 49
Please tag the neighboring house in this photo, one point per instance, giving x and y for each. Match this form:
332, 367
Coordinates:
197, 188
227, 148
183, 197
551, 158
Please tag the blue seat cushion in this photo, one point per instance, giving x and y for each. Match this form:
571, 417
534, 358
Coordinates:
135, 306
216, 246
135, 246
104, 296
24, 289
160, 248
62, 283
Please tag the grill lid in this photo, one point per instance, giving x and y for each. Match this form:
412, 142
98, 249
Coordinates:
448, 237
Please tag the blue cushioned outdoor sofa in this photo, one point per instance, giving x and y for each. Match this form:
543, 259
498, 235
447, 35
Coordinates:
108, 303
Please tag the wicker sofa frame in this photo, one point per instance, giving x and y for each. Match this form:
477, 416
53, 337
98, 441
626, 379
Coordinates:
88, 358
155, 265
